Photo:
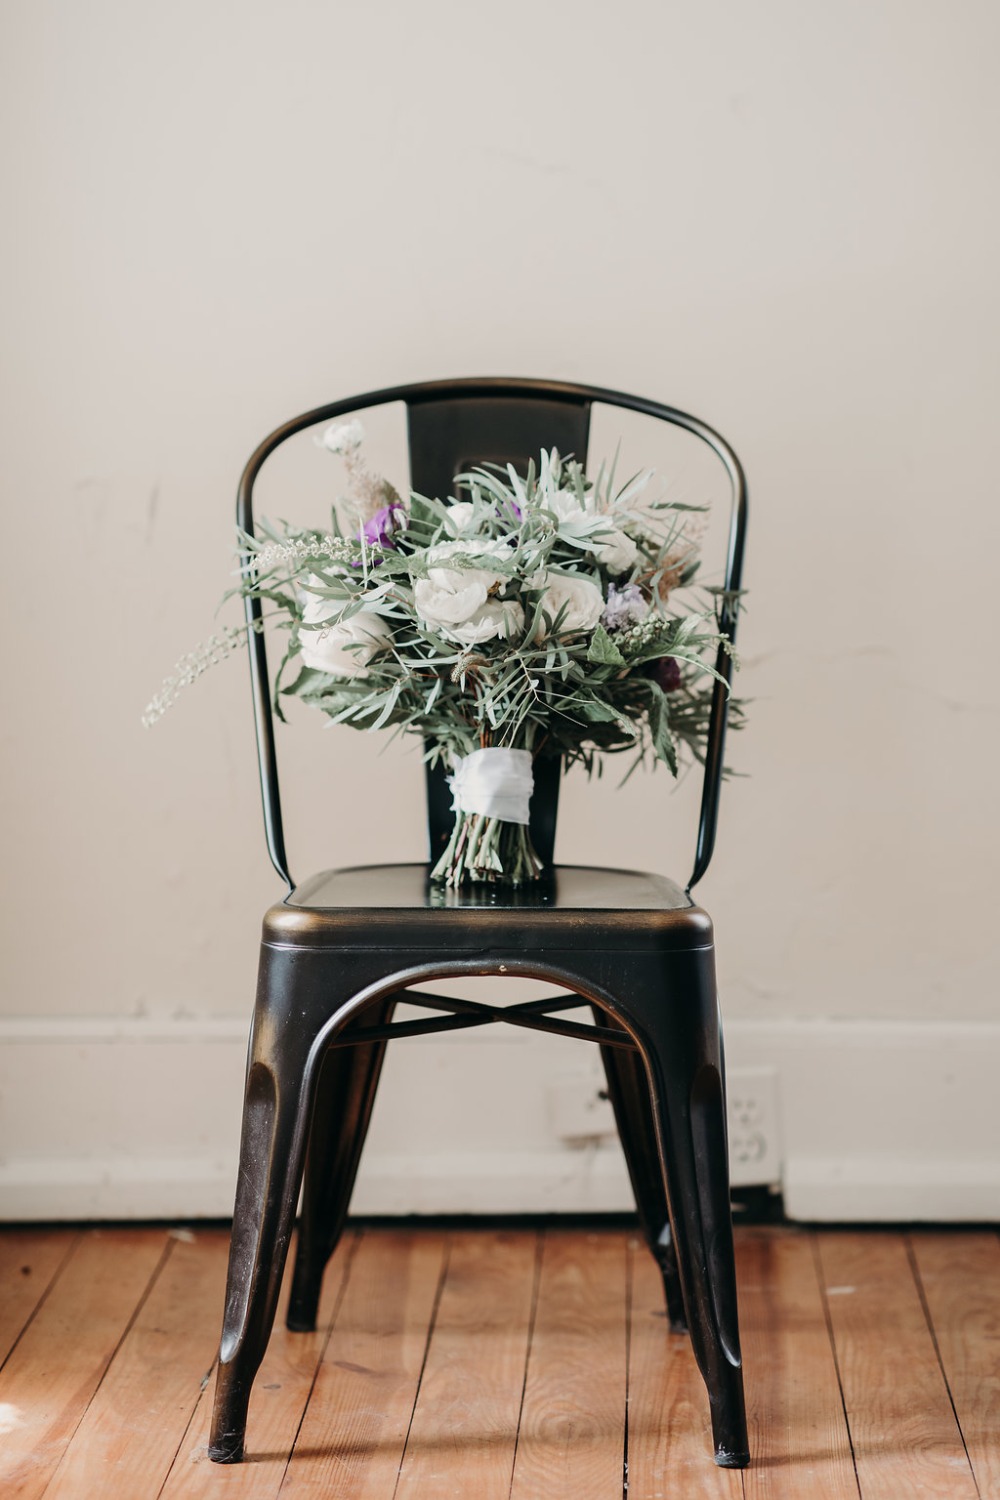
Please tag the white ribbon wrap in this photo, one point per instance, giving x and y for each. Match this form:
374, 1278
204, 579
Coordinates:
496, 783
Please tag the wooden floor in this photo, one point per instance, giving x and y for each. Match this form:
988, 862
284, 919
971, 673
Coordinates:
515, 1364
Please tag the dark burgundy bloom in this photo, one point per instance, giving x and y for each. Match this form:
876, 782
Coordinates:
666, 672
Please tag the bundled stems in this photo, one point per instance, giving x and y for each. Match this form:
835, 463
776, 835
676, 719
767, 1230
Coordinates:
487, 849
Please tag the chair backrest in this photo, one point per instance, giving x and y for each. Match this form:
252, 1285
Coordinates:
454, 425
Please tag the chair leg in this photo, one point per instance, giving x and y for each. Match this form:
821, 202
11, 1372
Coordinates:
628, 1089
681, 1040
296, 999
345, 1096
269, 1175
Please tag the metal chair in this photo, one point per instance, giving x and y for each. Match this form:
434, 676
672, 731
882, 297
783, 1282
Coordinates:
345, 946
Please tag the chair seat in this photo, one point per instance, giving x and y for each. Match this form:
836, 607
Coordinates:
573, 906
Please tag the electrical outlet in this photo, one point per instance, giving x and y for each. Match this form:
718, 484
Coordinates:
754, 1133
580, 1110
581, 1114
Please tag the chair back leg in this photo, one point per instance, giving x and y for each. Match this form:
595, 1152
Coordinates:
628, 1090
345, 1097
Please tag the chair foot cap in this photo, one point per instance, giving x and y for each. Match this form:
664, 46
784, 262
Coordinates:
726, 1458
300, 1323
226, 1453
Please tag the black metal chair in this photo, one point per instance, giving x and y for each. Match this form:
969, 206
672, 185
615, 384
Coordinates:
344, 947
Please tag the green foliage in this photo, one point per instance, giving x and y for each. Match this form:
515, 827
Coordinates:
533, 614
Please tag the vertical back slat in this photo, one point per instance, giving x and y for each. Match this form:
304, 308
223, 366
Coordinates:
449, 437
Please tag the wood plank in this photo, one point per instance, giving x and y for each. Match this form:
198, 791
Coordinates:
352, 1440
903, 1429
136, 1422
799, 1440
59, 1362
572, 1434
116, 1340
279, 1398
960, 1276
464, 1432
670, 1451
30, 1259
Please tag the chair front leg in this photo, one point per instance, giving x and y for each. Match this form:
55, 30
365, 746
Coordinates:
676, 1013
269, 1176
299, 995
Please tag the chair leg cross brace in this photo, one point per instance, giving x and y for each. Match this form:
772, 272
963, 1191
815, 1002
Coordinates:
535, 1015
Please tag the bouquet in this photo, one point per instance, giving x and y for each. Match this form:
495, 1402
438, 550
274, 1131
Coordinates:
535, 614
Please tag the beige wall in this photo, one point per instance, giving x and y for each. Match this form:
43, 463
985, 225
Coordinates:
781, 216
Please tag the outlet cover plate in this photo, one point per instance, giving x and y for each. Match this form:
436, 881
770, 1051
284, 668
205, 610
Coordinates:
754, 1127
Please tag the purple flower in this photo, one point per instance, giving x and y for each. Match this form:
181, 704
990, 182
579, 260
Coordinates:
509, 510
379, 531
666, 672
626, 606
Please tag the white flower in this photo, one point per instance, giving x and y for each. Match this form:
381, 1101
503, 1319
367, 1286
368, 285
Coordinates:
582, 598
503, 617
617, 552
442, 608
345, 647
452, 596
343, 437
593, 530
460, 517
566, 504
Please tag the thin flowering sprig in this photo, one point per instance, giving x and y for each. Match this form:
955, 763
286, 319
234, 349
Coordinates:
190, 667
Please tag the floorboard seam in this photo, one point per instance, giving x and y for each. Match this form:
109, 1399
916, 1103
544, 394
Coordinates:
630, 1248
532, 1315
915, 1269
821, 1280
70, 1250
187, 1427
341, 1294
446, 1262
165, 1254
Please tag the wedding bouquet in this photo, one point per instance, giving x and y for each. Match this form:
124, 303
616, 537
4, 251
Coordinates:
537, 614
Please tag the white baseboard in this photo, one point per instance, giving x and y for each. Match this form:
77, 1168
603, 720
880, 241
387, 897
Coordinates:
105, 1118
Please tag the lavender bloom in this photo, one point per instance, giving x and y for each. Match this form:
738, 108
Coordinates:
379, 531
666, 672
626, 606
509, 510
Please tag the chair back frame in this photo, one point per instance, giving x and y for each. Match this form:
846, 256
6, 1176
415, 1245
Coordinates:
466, 412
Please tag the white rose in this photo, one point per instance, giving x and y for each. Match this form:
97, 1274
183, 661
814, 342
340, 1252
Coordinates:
566, 505
595, 530
617, 552
451, 596
443, 608
583, 600
460, 517
345, 647
503, 617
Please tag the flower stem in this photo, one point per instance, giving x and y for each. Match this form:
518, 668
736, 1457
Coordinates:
487, 850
